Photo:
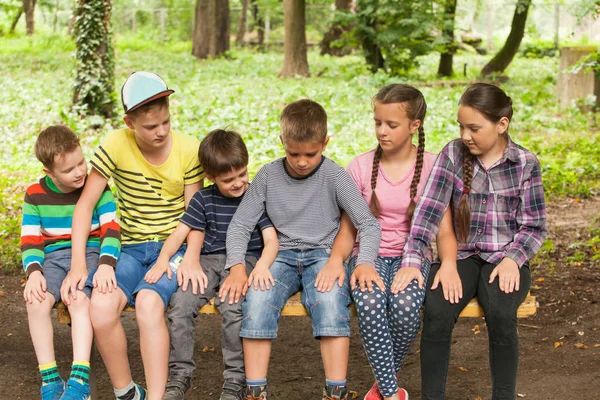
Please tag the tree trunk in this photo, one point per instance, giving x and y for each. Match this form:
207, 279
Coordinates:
447, 54
371, 49
295, 61
511, 46
15, 21
335, 32
95, 65
241, 28
211, 28
29, 8
259, 23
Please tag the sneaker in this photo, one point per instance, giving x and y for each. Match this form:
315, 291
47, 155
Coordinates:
232, 390
335, 393
177, 387
402, 394
256, 393
53, 391
76, 391
374, 393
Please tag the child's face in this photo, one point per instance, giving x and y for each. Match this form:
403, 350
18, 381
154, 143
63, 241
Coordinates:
152, 128
303, 157
69, 171
393, 128
479, 134
233, 183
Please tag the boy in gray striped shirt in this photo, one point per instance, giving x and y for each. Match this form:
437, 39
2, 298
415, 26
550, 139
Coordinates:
304, 195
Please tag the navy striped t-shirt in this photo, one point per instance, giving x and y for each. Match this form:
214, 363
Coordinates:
211, 212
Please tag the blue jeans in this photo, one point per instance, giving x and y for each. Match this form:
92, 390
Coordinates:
134, 262
294, 270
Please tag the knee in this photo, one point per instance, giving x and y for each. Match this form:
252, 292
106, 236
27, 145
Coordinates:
438, 321
369, 302
80, 305
40, 309
183, 305
330, 307
104, 310
502, 325
258, 310
149, 307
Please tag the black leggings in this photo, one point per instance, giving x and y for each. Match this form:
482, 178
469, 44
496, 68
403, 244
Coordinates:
500, 311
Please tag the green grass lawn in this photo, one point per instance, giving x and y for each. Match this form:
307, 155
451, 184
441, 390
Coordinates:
243, 93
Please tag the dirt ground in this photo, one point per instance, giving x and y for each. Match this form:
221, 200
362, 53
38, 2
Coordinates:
560, 346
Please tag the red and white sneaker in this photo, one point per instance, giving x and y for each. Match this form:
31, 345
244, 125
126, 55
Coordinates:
375, 394
402, 394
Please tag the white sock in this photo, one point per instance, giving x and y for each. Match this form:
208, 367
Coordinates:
127, 393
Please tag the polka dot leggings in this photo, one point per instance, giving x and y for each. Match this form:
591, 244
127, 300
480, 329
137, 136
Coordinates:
388, 323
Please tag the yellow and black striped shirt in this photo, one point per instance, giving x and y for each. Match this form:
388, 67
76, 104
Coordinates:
150, 197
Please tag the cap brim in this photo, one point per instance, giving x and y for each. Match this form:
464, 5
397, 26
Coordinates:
156, 96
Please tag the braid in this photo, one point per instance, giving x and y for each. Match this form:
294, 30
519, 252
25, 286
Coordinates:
374, 204
417, 175
464, 212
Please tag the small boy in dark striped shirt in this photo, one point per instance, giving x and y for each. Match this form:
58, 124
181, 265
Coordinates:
224, 157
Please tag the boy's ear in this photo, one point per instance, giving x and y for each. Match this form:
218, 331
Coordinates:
325, 143
48, 172
415, 125
281, 139
128, 121
503, 125
210, 178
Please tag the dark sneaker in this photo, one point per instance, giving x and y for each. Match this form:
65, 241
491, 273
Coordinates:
177, 387
232, 390
256, 393
336, 393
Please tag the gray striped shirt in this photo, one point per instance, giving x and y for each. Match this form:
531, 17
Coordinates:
305, 211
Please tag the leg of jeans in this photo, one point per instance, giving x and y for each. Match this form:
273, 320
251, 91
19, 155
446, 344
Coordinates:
500, 311
375, 332
438, 322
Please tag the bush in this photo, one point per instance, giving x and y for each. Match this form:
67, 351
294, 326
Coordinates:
539, 49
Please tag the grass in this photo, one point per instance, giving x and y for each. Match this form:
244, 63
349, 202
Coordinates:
243, 93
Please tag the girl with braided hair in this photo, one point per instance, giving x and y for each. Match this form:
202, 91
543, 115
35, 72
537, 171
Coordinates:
494, 189
390, 178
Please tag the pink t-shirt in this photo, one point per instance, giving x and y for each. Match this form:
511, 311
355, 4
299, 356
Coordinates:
394, 198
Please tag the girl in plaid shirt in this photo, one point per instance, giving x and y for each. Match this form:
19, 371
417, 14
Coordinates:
494, 189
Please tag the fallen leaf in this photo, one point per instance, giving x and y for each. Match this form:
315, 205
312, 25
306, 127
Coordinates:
519, 395
544, 339
581, 333
558, 344
476, 330
2, 294
478, 398
463, 369
580, 346
207, 349
10, 334
597, 345
540, 280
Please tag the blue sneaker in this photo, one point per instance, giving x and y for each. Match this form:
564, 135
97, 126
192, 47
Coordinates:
76, 391
53, 391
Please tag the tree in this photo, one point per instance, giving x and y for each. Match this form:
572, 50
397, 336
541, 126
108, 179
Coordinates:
211, 28
295, 60
259, 23
15, 20
29, 9
449, 47
241, 28
335, 32
95, 66
504, 57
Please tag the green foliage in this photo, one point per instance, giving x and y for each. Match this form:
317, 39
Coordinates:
94, 75
538, 49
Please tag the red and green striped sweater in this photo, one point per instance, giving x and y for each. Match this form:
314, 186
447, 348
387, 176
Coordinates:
47, 219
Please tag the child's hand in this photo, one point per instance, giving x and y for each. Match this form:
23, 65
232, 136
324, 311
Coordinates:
35, 288
328, 274
448, 277
156, 272
366, 275
404, 277
191, 272
509, 275
261, 276
105, 279
75, 280
235, 285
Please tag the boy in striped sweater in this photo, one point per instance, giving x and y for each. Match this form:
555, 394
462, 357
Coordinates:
46, 249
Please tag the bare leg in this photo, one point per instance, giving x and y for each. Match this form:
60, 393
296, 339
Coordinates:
334, 351
256, 357
154, 341
81, 328
40, 328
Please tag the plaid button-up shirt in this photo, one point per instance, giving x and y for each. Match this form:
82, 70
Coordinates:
508, 213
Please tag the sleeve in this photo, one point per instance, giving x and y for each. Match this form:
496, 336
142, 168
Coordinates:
355, 172
429, 212
193, 170
32, 241
351, 201
110, 231
104, 159
195, 214
531, 219
264, 222
245, 219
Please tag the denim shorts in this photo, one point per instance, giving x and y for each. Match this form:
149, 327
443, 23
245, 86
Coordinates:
135, 261
57, 265
294, 270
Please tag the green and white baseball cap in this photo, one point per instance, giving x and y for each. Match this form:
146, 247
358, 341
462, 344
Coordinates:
141, 88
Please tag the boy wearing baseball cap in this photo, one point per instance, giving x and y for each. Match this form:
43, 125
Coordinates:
156, 172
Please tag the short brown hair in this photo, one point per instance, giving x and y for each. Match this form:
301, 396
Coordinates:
56, 140
161, 102
304, 121
222, 151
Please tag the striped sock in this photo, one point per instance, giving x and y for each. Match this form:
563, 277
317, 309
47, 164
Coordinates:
49, 373
80, 372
